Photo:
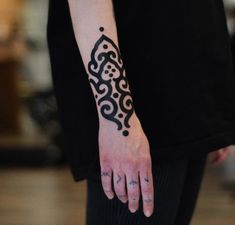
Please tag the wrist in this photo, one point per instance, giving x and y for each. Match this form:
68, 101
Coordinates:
134, 124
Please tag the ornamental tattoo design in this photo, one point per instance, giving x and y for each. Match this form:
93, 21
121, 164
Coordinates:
108, 80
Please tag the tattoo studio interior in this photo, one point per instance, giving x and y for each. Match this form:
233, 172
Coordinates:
36, 185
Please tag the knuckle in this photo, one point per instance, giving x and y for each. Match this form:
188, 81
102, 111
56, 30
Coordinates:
146, 189
148, 161
133, 198
105, 165
105, 183
105, 172
131, 164
145, 161
148, 197
118, 185
133, 193
119, 190
148, 201
105, 179
119, 178
105, 161
130, 170
133, 185
106, 188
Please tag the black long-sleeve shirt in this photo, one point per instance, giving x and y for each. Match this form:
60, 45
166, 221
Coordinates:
178, 62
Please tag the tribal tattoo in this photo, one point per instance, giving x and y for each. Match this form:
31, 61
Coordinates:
147, 200
119, 178
105, 174
107, 78
133, 182
146, 179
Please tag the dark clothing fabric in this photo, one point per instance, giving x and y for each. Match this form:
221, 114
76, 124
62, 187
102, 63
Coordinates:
178, 62
176, 188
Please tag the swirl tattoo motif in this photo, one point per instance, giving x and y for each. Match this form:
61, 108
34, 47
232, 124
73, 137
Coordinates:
108, 80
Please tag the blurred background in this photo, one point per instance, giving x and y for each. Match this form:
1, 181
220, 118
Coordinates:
36, 186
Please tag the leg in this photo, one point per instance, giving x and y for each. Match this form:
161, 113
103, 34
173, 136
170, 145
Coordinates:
168, 177
191, 189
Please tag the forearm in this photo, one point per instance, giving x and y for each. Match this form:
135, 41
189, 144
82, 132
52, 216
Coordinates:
96, 35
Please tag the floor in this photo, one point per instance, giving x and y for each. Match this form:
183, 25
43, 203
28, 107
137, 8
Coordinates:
48, 196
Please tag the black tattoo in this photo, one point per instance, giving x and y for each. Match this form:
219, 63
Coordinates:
148, 200
107, 77
101, 29
146, 179
105, 174
119, 179
133, 182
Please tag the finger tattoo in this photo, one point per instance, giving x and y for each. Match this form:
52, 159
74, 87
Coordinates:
105, 174
133, 182
147, 200
146, 179
119, 179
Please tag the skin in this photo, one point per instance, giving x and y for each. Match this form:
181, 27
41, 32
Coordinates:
124, 157
219, 156
124, 151
128, 160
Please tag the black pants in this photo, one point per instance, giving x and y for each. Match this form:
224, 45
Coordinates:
176, 188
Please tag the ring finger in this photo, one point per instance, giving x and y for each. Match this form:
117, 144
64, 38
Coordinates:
133, 190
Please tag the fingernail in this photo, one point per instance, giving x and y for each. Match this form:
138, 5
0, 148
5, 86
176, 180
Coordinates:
133, 210
110, 196
147, 213
124, 200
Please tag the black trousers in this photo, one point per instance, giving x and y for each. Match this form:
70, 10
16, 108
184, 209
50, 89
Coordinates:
176, 188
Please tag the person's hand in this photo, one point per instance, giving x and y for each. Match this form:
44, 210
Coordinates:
126, 164
218, 156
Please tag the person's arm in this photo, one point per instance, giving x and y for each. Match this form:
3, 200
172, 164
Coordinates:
123, 146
